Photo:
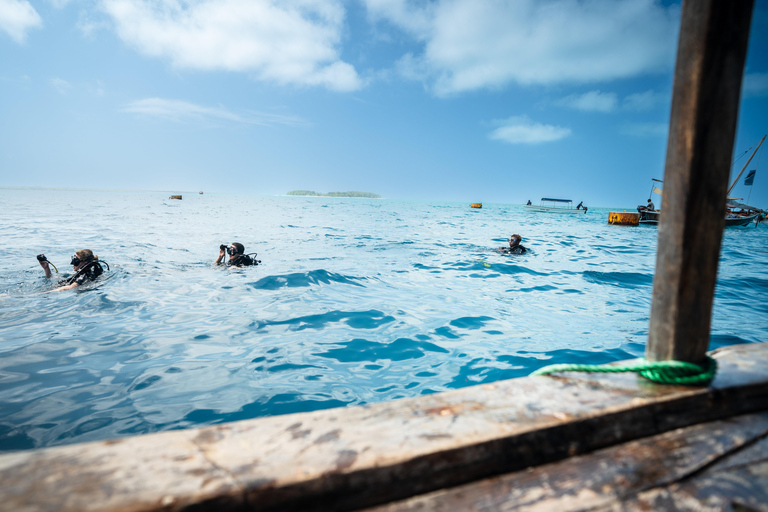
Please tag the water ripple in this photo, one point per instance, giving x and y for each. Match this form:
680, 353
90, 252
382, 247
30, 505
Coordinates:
356, 301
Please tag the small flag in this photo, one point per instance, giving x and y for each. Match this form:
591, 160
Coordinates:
750, 178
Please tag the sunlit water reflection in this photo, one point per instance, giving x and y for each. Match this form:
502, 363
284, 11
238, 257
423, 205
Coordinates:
356, 301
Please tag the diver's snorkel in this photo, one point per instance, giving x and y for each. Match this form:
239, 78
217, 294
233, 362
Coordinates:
41, 258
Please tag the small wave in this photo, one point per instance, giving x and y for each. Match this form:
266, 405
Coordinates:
725, 340
471, 322
303, 279
288, 366
621, 279
542, 288
502, 268
360, 350
355, 319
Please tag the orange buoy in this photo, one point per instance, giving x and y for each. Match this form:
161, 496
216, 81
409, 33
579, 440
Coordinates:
476, 205
624, 218
175, 197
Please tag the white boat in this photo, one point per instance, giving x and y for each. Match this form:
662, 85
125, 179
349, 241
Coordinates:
550, 205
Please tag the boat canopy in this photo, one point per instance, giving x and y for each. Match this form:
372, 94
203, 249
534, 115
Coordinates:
736, 204
556, 200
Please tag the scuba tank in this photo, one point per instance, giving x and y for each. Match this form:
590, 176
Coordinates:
244, 260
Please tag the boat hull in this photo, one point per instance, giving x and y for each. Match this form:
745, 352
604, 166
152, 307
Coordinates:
548, 209
739, 220
654, 217
647, 217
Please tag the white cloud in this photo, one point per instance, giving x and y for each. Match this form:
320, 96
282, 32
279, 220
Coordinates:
755, 84
522, 130
597, 101
88, 24
182, 111
477, 44
644, 100
17, 17
288, 41
414, 19
592, 101
61, 86
645, 129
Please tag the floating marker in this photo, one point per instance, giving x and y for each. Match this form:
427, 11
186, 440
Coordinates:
624, 218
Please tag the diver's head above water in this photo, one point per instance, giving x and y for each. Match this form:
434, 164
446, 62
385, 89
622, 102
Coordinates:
82, 257
238, 249
235, 250
515, 240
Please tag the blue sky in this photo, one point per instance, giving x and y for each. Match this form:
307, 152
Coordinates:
467, 100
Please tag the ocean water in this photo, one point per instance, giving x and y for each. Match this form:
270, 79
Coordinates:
356, 301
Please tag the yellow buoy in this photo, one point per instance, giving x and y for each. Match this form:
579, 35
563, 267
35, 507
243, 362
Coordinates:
476, 205
175, 197
624, 218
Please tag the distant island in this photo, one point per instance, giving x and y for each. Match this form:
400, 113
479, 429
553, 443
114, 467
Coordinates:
312, 193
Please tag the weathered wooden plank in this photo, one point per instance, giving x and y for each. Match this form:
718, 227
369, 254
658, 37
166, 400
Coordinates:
603, 479
161, 472
342, 459
705, 103
738, 487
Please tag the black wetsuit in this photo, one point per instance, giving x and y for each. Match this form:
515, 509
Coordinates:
518, 249
241, 260
89, 273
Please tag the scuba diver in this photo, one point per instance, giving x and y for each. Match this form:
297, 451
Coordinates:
85, 264
514, 246
236, 256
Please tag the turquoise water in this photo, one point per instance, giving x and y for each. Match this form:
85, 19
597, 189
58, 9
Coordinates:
357, 301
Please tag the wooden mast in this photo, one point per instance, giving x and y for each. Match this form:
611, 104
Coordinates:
745, 166
705, 102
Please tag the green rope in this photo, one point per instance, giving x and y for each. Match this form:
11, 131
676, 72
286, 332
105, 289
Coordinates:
662, 372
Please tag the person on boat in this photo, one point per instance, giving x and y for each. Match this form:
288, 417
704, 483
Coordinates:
650, 207
578, 206
237, 258
84, 263
529, 203
514, 246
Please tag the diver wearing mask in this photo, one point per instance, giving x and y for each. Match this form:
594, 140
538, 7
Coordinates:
237, 258
84, 263
514, 246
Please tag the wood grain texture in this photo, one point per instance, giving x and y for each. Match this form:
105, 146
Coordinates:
705, 103
644, 473
356, 457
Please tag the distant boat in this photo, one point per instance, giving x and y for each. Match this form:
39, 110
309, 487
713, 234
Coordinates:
740, 218
651, 216
550, 205
476, 205
736, 214
201, 192
740, 214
